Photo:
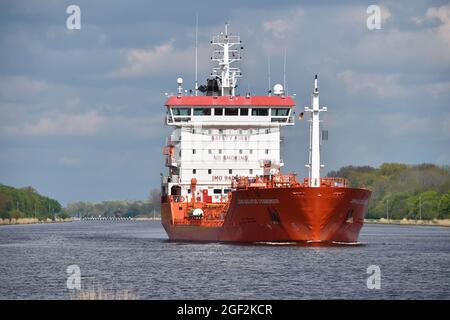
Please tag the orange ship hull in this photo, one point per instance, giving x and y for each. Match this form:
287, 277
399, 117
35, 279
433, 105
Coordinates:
301, 213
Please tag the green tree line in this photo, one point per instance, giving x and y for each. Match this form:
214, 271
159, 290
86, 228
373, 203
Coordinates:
403, 191
116, 208
27, 203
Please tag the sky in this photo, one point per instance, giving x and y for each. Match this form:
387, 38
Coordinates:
82, 111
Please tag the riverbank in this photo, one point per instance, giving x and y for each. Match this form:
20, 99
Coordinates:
434, 222
32, 221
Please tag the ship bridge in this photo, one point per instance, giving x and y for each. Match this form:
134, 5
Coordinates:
259, 111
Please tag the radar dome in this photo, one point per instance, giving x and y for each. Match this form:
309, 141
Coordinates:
278, 89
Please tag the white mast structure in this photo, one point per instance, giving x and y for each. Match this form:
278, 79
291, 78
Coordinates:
225, 53
314, 139
196, 54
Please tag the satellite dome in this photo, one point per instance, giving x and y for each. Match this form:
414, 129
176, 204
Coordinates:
278, 89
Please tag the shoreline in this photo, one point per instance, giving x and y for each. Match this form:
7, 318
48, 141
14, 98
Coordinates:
9, 222
410, 222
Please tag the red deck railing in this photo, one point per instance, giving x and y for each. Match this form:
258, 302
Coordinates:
275, 181
283, 181
330, 182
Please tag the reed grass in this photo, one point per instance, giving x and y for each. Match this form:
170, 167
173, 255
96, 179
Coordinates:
98, 293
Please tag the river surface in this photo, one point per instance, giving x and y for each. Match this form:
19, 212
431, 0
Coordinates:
136, 256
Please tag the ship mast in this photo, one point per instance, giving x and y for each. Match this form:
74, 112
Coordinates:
225, 53
314, 139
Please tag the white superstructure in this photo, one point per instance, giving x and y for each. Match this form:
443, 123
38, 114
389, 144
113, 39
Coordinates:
221, 135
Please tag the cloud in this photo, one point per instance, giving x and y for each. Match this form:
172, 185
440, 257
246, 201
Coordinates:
386, 14
13, 86
379, 84
442, 14
29, 96
438, 89
446, 125
401, 125
164, 58
59, 125
89, 124
70, 161
284, 27
424, 47
356, 16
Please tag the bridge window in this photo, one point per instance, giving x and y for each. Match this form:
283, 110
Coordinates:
231, 111
181, 111
209, 171
202, 111
240, 151
230, 171
244, 111
209, 151
218, 111
217, 191
260, 112
280, 112
267, 151
250, 171
193, 151
194, 171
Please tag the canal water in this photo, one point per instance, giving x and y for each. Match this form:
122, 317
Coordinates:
136, 256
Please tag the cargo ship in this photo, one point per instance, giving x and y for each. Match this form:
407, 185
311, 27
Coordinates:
224, 180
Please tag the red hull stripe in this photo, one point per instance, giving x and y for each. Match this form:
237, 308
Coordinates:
206, 101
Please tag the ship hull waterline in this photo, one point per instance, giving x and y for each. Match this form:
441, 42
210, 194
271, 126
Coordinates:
294, 214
